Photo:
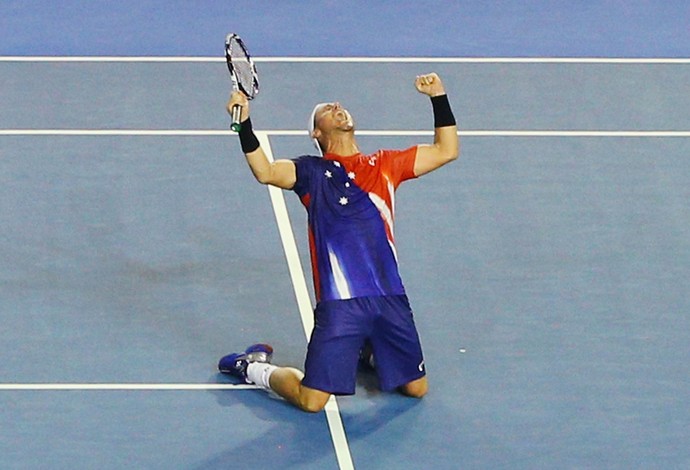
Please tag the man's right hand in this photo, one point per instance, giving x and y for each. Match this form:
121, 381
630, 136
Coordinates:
239, 98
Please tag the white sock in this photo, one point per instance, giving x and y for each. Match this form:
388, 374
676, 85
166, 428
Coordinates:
259, 373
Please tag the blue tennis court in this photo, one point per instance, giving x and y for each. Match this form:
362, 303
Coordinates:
548, 267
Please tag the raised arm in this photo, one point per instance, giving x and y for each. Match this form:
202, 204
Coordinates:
280, 173
446, 144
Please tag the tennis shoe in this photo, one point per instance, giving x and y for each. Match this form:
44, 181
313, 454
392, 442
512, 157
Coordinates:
235, 364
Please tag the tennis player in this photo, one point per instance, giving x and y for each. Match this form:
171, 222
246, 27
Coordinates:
360, 298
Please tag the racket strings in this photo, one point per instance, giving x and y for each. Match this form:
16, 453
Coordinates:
243, 68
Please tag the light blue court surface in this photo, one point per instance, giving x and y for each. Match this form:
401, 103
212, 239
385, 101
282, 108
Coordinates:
548, 267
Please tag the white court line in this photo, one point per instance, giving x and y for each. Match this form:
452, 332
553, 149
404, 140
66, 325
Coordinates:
441, 60
380, 133
502, 133
335, 423
289, 246
123, 386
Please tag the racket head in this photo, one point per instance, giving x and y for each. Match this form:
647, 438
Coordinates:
241, 66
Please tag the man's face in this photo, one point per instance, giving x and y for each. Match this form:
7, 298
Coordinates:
333, 116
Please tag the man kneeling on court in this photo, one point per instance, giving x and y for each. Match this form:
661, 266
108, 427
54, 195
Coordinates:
360, 298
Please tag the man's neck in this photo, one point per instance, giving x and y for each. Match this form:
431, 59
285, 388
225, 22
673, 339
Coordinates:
343, 145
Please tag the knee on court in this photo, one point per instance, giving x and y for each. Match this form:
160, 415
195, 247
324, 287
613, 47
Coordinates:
312, 401
416, 389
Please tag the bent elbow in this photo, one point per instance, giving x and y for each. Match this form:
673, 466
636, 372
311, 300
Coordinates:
455, 152
263, 176
449, 151
263, 179
452, 155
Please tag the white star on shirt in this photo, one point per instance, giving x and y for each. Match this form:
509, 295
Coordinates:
343, 201
347, 185
328, 174
351, 175
337, 164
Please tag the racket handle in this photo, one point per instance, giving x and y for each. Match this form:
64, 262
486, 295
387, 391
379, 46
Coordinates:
236, 112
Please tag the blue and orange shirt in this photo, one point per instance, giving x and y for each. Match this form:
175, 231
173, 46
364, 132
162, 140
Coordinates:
350, 203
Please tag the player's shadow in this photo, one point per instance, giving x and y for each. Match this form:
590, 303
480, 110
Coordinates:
368, 381
295, 439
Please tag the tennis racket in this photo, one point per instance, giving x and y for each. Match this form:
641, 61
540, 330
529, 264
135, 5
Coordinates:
242, 72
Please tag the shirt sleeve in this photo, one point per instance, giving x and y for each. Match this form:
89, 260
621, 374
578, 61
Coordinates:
303, 166
399, 164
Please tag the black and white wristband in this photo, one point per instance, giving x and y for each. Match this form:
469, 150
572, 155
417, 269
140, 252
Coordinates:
443, 115
248, 139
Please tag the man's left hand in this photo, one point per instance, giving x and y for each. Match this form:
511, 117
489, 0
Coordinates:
430, 84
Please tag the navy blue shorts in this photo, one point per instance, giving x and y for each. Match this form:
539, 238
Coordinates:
340, 330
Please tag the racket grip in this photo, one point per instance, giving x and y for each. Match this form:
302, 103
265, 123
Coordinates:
236, 112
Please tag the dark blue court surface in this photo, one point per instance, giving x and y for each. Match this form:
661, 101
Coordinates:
548, 267
534, 28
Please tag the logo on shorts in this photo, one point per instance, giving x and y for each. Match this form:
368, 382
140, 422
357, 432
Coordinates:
421, 366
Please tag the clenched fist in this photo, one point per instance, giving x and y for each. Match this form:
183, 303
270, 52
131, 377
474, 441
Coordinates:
430, 84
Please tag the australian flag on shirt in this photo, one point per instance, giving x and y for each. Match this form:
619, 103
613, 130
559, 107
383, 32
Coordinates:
350, 203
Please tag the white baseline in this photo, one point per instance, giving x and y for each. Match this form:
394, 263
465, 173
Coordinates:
380, 133
122, 386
